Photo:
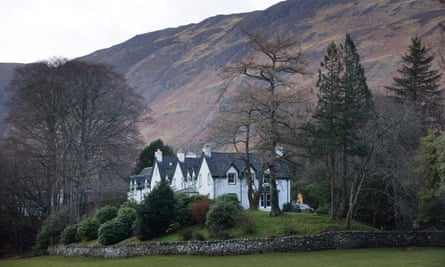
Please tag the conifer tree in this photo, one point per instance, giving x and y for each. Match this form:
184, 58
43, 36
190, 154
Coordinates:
418, 83
344, 106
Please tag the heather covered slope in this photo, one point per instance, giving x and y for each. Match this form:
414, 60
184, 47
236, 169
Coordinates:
177, 69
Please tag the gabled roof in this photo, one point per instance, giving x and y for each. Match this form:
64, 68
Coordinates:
146, 173
219, 162
189, 165
167, 166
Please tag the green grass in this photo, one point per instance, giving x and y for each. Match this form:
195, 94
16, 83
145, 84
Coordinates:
424, 256
289, 223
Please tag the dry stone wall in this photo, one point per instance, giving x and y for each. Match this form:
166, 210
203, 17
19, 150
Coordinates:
331, 240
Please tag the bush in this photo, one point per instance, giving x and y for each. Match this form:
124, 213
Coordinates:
224, 212
106, 213
218, 232
287, 207
113, 231
51, 229
182, 212
87, 230
128, 216
156, 213
69, 235
199, 209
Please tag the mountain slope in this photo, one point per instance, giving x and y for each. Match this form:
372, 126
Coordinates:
177, 70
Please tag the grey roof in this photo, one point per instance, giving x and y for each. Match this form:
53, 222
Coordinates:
167, 166
219, 162
190, 165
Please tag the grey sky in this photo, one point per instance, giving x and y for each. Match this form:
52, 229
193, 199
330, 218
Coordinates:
33, 30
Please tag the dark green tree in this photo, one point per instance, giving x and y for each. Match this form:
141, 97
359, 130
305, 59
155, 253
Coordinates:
419, 84
147, 155
156, 213
344, 106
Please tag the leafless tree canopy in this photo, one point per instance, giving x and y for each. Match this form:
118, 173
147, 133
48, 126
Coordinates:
267, 99
77, 123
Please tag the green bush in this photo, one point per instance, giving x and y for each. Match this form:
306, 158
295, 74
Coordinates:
182, 212
113, 231
287, 207
224, 212
49, 234
246, 223
128, 216
69, 235
156, 213
87, 230
106, 213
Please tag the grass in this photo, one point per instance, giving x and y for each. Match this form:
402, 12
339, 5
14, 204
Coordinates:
262, 226
416, 256
290, 223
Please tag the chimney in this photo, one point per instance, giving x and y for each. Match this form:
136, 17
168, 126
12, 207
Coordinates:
158, 155
207, 150
181, 155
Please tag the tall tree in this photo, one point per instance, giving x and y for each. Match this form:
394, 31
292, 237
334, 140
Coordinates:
78, 122
147, 155
344, 106
419, 84
269, 70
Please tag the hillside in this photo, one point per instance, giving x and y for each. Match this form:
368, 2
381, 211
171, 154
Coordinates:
177, 69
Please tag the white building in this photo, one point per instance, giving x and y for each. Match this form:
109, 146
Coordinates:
213, 174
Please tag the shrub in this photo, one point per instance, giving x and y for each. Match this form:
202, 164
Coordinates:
51, 229
224, 212
128, 216
106, 213
182, 212
199, 209
113, 231
69, 235
218, 232
87, 229
287, 207
156, 213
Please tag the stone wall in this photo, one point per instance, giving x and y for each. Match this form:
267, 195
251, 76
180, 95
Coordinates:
331, 240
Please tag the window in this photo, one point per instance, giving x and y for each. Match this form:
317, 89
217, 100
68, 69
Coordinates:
265, 200
265, 197
231, 178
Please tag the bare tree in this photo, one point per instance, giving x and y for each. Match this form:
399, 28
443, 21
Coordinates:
78, 121
270, 70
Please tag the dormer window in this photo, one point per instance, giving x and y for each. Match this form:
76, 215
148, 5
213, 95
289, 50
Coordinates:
231, 178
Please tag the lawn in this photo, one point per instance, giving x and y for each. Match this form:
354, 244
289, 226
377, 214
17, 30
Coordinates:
417, 256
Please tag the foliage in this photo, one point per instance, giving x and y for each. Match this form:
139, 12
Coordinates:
113, 231
199, 209
106, 213
419, 84
127, 215
147, 155
69, 235
87, 229
51, 229
223, 212
156, 213
182, 211
431, 166
316, 194
344, 107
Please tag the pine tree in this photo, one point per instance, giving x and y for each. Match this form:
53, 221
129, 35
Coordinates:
418, 83
344, 106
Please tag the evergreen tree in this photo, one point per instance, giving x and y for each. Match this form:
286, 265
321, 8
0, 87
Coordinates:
157, 212
419, 83
147, 155
344, 106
